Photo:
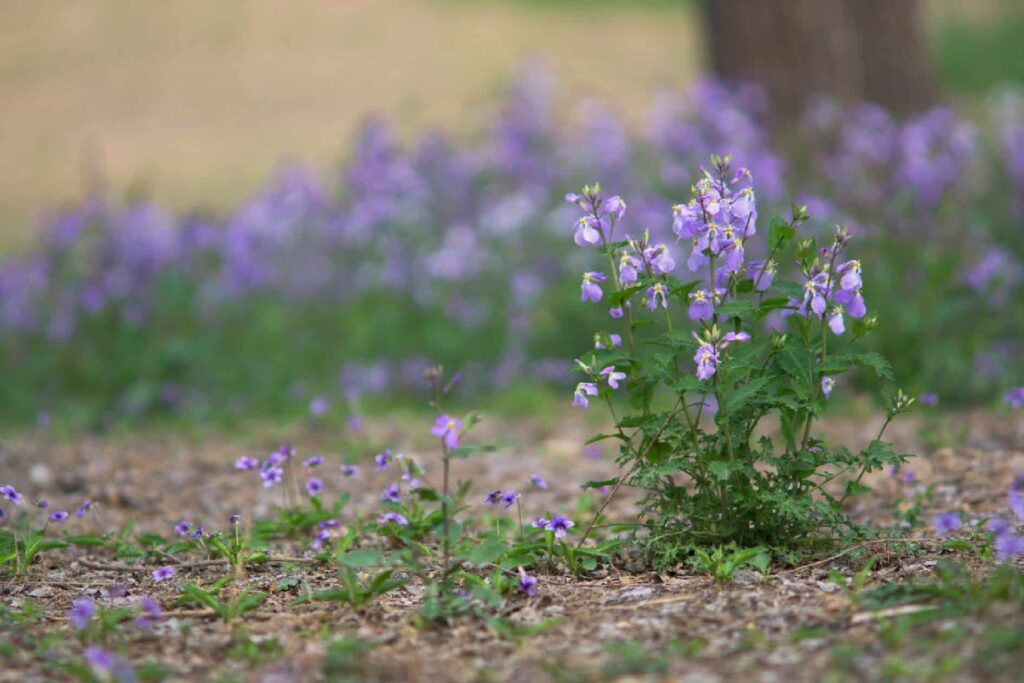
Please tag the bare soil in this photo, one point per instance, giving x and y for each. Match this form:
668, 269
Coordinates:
621, 620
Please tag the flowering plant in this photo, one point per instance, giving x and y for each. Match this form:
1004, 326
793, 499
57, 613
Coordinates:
757, 346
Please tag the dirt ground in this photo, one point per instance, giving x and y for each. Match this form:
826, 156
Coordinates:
619, 621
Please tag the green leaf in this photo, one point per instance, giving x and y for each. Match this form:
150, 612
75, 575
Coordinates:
780, 232
739, 397
599, 484
601, 437
357, 559
724, 469
463, 452
736, 308
488, 552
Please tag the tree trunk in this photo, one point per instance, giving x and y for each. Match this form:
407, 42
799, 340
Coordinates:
850, 49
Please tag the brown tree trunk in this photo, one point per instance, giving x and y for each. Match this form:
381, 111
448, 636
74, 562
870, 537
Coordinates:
851, 49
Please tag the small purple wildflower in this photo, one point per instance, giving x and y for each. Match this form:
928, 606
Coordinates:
11, 494
1014, 398
656, 293
612, 376
246, 462
928, 399
382, 459
827, 384
163, 573
349, 470
271, 475
1015, 499
494, 497
447, 428
527, 584
580, 396
392, 518
83, 508
616, 312
150, 611
1008, 546
540, 523
391, 494
590, 289
313, 462
58, 516
509, 498
559, 525
946, 523
42, 503
198, 533
82, 612
234, 519
537, 481
183, 528
314, 486
319, 406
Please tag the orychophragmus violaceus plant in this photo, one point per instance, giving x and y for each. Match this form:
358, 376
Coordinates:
698, 393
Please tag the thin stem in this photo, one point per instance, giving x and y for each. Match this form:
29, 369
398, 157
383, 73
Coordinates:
636, 463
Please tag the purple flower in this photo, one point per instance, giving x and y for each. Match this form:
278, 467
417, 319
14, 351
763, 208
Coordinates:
538, 481
493, 498
83, 508
10, 494
614, 206
448, 428
1008, 546
246, 463
150, 611
998, 526
1015, 499
314, 486
313, 462
163, 573
928, 399
628, 270
234, 519
349, 470
540, 523
509, 498
616, 312
587, 231
198, 533
612, 376
559, 525
382, 459
58, 516
701, 305
1013, 398
656, 293
583, 390
706, 359
590, 289
183, 528
42, 503
835, 320
762, 273
527, 584
946, 523
392, 518
827, 384
82, 612
319, 406
391, 494
271, 475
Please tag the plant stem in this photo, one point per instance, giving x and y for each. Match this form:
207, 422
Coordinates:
636, 463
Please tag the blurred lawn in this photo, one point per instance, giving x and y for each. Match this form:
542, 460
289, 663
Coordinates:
195, 101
